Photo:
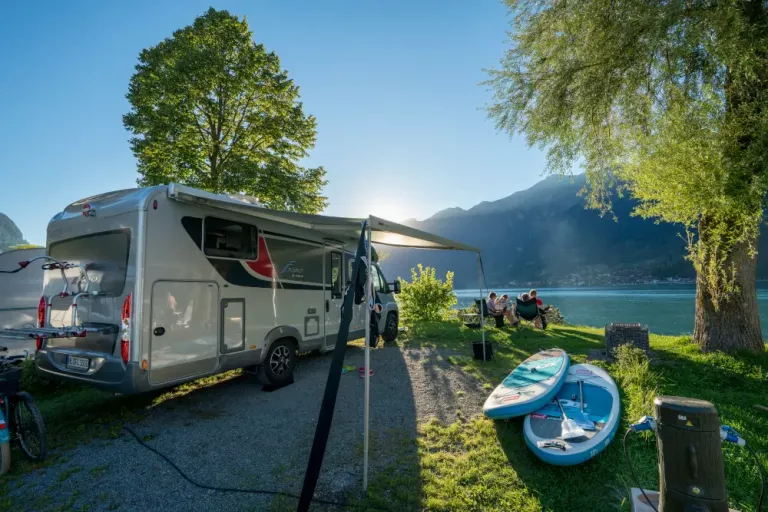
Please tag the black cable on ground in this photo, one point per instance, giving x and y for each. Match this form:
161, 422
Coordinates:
762, 477
11, 271
634, 476
233, 489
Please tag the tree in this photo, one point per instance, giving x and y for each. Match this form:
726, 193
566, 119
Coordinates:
426, 298
213, 109
664, 101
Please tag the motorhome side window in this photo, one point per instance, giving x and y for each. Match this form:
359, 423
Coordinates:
229, 239
376, 278
334, 274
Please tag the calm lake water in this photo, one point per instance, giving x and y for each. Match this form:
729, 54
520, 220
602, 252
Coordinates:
665, 308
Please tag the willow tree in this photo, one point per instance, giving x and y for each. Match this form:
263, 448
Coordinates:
212, 109
665, 101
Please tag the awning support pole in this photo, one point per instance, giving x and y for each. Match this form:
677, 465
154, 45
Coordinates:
482, 317
368, 305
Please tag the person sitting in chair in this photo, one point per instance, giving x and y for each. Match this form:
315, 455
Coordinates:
499, 307
527, 309
509, 312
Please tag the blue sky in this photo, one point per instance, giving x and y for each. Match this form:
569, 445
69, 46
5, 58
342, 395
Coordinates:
394, 86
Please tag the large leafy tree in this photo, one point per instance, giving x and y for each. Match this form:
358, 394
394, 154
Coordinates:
213, 109
664, 100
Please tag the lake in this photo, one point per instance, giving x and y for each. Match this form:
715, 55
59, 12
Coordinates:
665, 308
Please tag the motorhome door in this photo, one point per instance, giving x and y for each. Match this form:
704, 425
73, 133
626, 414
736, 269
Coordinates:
184, 330
334, 291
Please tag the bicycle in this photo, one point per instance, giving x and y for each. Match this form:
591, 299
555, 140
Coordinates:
20, 419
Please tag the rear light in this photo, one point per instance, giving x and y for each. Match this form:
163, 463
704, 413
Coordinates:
40, 321
125, 335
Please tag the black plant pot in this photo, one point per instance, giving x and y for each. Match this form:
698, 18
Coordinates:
477, 350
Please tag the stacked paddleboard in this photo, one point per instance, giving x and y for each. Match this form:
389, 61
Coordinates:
530, 386
571, 412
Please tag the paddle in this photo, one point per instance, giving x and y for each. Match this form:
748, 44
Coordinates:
568, 428
581, 418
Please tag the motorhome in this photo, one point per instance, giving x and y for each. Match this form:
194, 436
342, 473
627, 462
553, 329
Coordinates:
19, 296
150, 287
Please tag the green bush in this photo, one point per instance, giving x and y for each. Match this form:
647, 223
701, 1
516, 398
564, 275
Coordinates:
555, 316
36, 384
426, 298
639, 383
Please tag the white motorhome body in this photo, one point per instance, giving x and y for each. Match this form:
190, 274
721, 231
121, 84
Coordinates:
173, 283
19, 297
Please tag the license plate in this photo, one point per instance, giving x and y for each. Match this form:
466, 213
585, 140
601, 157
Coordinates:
78, 363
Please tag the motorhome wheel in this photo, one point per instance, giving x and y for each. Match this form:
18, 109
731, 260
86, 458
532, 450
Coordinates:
278, 366
390, 329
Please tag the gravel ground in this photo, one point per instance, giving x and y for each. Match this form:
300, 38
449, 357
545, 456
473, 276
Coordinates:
237, 435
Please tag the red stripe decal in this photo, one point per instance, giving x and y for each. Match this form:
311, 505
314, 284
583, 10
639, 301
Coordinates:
262, 265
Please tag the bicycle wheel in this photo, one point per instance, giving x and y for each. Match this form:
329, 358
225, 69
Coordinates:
5, 458
28, 426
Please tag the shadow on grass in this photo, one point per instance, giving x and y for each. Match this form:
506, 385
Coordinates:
511, 346
595, 485
734, 383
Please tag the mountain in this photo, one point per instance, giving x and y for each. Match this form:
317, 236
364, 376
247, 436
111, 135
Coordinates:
9, 233
544, 236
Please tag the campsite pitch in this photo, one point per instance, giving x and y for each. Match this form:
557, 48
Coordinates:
431, 449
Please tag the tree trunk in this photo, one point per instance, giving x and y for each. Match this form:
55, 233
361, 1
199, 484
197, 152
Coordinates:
735, 325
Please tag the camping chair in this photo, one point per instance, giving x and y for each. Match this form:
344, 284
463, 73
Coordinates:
483, 307
528, 310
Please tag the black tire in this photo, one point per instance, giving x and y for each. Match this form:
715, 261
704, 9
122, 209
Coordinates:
277, 368
391, 328
28, 426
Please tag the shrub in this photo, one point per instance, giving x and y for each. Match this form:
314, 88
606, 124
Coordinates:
426, 298
36, 384
639, 383
554, 316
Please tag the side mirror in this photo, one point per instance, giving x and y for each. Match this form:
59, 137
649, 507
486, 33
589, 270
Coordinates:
396, 287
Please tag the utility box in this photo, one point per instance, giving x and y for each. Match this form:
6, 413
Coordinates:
618, 334
691, 472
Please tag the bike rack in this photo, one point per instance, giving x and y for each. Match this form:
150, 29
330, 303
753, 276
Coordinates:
73, 330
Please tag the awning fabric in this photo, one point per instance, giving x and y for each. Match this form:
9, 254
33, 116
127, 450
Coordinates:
344, 229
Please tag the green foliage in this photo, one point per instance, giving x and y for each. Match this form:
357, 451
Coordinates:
637, 381
555, 316
662, 100
35, 383
213, 109
426, 298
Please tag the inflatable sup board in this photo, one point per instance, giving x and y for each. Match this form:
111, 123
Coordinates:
599, 418
530, 386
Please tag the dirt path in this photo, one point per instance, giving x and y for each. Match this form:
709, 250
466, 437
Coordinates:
236, 435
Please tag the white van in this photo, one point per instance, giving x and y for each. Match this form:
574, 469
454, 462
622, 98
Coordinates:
19, 296
166, 284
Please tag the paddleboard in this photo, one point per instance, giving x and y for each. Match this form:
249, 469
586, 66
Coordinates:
542, 429
530, 386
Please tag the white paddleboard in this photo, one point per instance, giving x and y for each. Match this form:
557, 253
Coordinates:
530, 386
602, 407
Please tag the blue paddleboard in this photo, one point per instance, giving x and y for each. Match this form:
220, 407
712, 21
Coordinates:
530, 386
599, 418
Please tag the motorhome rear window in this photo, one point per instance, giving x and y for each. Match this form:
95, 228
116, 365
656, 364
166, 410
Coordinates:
104, 254
230, 239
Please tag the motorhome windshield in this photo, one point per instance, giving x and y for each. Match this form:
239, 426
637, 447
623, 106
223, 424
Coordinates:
104, 254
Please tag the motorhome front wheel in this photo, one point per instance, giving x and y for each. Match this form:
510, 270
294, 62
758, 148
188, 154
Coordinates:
390, 328
278, 366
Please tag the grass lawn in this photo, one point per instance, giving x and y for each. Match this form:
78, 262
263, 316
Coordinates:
478, 464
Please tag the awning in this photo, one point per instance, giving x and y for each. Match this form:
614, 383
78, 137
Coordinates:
345, 229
